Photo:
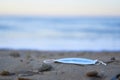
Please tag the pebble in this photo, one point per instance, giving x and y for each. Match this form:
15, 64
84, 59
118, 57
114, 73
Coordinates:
5, 73
92, 74
118, 76
113, 58
15, 54
23, 79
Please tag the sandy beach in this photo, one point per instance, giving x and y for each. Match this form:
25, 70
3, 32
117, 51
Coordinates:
26, 65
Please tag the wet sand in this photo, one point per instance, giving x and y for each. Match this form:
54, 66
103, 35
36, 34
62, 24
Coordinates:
26, 63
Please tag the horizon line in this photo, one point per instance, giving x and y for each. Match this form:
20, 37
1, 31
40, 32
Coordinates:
33, 15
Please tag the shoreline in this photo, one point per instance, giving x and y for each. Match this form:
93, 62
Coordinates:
91, 51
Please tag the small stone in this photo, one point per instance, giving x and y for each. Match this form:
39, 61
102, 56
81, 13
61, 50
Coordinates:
23, 79
45, 67
92, 74
62, 72
21, 60
118, 76
15, 54
5, 73
113, 58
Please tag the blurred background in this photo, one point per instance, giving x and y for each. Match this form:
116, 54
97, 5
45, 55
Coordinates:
82, 25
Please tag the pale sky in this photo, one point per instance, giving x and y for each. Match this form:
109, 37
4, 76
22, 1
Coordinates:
60, 7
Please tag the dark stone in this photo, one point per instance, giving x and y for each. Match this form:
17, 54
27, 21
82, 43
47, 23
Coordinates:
5, 73
113, 58
15, 54
118, 76
24, 79
92, 74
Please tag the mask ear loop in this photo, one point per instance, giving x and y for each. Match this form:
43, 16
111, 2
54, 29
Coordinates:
100, 62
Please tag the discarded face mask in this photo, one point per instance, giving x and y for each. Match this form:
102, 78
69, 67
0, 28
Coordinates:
79, 61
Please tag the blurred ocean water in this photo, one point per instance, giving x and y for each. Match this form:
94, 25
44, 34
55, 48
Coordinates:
60, 33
